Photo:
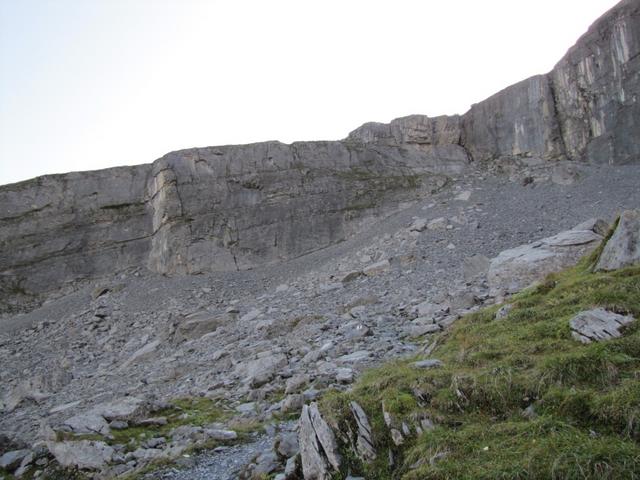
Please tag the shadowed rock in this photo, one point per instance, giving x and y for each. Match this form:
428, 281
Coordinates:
623, 248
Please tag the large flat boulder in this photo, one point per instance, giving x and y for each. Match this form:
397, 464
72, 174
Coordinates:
517, 268
85, 454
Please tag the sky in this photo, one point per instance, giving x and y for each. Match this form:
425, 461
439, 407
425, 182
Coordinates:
89, 84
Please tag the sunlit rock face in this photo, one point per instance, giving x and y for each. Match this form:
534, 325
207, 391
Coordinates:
596, 88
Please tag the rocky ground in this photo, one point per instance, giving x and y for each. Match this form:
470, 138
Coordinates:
259, 344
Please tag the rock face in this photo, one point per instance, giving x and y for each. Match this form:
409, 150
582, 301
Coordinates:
236, 207
585, 109
209, 209
623, 248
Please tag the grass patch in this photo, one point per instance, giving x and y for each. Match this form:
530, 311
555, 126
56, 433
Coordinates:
585, 398
198, 411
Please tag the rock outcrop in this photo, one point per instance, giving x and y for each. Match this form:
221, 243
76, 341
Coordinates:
623, 248
236, 207
517, 268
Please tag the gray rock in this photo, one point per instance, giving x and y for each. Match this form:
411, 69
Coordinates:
198, 325
292, 403
364, 441
437, 224
266, 463
475, 266
377, 268
318, 447
418, 225
597, 325
596, 225
428, 363
344, 375
125, 408
143, 352
220, 435
290, 468
517, 268
10, 461
288, 444
355, 357
623, 248
503, 311
351, 276
84, 454
227, 208
296, 383
88, 423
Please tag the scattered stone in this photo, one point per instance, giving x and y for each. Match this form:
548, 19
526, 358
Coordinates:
428, 363
418, 225
197, 326
355, 357
503, 311
292, 403
287, 444
463, 196
351, 276
437, 224
344, 375
364, 442
296, 383
84, 454
597, 325
10, 461
220, 435
377, 268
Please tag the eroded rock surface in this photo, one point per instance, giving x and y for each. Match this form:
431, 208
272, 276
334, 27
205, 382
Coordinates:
519, 267
623, 248
597, 325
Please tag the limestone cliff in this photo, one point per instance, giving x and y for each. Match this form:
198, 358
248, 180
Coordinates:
236, 207
585, 109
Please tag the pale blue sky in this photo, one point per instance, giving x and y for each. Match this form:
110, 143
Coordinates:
88, 84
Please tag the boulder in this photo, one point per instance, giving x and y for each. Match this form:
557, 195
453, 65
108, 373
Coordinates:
623, 248
377, 268
287, 444
10, 461
84, 454
199, 325
597, 325
125, 408
517, 268
88, 423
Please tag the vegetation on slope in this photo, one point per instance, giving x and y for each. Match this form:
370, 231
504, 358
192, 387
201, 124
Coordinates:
517, 397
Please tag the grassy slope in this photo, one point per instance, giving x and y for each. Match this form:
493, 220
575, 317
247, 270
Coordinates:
586, 398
